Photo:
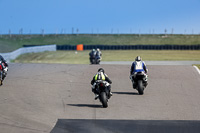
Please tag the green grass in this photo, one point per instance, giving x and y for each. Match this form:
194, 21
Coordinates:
82, 57
65, 57
10, 43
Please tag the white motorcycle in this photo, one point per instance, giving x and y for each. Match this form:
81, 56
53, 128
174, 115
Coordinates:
139, 80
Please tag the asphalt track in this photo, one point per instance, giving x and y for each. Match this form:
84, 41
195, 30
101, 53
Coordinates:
168, 63
57, 98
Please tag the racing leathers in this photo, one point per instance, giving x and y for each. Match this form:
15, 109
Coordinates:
100, 76
3, 61
98, 54
4, 66
137, 66
92, 55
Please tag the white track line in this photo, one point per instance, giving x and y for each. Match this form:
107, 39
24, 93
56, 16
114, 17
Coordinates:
197, 69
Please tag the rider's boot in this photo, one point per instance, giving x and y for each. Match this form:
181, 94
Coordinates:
96, 96
134, 84
145, 84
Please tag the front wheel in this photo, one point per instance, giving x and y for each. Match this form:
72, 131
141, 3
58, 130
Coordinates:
103, 99
140, 87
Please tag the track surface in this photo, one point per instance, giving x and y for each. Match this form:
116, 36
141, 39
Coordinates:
35, 97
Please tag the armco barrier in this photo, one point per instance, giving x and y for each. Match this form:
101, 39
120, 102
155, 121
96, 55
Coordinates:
131, 47
33, 49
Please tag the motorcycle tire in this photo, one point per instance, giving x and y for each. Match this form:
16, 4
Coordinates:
140, 87
1, 80
103, 99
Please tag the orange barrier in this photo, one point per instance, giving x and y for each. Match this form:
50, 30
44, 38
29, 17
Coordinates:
79, 47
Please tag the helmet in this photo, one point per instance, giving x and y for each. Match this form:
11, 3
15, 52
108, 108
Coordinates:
101, 70
98, 49
138, 58
93, 49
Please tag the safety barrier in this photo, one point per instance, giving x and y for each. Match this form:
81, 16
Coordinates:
131, 47
33, 49
79, 47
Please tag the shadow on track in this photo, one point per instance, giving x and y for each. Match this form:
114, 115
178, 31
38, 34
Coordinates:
86, 105
126, 93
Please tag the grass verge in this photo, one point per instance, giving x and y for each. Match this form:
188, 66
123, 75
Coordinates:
82, 57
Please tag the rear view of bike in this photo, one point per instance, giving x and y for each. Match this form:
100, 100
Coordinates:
103, 93
95, 60
139, 80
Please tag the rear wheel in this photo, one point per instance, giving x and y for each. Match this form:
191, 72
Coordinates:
140, 87
103, 99
1, 80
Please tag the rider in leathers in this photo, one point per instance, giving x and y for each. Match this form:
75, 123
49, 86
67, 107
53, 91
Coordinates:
98, 54
92, 55
3, 61
4, 66
138, 66
100, 75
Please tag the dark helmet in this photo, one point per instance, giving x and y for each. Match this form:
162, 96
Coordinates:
138, 58
101, 70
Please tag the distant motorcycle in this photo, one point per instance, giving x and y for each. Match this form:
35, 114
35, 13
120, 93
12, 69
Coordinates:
140, 79
95, 60
102, 90
3, 72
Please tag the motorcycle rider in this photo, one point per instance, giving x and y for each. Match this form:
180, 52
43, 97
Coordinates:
98, 54
3, 61
138, 66
4, 65
100, 75
92, 54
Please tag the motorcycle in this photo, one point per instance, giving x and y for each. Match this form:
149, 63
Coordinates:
103, 91
95, 60
140, 81
3, 72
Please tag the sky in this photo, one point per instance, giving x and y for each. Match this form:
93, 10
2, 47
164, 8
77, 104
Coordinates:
100, 16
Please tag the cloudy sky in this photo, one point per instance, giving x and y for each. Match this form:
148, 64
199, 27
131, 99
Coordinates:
100, 16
